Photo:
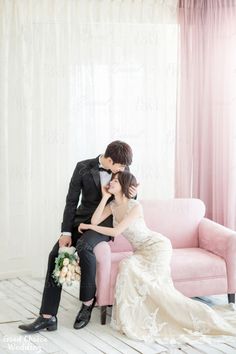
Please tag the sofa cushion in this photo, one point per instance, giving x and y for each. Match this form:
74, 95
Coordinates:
196, 263
178, 219
118, 256
120, 244
195, 272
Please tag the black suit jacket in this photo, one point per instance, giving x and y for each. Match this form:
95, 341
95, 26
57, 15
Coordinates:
85, 183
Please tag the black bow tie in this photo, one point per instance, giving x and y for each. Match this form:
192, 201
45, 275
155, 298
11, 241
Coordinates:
103, 169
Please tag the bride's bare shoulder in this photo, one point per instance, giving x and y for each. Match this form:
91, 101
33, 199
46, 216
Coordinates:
134, 203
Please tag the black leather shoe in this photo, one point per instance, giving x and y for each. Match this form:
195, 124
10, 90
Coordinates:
40, 323
84, 315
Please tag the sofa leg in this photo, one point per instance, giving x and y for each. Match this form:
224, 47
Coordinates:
103, 314
231, 298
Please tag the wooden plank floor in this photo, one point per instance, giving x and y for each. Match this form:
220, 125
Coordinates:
20, 299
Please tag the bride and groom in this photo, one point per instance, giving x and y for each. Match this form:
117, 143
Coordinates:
147, 306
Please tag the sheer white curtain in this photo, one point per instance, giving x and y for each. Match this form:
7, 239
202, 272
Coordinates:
76, 75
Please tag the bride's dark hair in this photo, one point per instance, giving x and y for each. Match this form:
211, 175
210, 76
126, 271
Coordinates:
126, 180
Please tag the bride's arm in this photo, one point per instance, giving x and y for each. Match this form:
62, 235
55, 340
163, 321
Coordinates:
115, 231
102, 212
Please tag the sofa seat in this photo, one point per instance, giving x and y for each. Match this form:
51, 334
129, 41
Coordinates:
199, 264
202, 268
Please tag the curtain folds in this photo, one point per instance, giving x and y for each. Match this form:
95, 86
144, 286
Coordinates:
206, 130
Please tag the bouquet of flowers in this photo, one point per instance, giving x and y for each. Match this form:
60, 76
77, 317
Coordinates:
67, 269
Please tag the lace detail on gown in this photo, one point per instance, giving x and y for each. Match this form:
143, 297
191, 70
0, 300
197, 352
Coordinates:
148, 307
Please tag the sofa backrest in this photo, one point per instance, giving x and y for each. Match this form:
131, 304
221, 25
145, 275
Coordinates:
178, 219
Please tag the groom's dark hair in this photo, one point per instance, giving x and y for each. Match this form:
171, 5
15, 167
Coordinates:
126, 180
119, 152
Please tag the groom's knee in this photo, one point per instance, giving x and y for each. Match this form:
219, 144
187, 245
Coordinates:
88, 241
82, 247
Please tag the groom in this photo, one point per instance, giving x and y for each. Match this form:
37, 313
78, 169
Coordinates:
88, 177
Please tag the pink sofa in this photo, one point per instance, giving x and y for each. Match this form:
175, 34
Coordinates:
204, 252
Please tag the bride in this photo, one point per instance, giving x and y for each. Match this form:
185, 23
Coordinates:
147, 306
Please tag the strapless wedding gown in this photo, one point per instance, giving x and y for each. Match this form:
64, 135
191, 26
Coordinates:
148, 307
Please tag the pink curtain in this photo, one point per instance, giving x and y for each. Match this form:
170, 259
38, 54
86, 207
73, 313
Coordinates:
206, 117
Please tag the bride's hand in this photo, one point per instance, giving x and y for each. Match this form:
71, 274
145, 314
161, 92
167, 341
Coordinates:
82, 227
105, 192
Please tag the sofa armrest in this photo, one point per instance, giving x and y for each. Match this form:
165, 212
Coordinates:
120, 244
102, 253
221, 241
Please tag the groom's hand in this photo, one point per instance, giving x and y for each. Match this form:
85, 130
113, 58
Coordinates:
65, 241
133, 191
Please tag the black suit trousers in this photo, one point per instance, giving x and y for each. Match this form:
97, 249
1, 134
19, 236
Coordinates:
84, 244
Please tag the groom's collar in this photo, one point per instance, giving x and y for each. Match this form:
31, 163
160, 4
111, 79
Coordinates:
95, 163
99, 161
95, 172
